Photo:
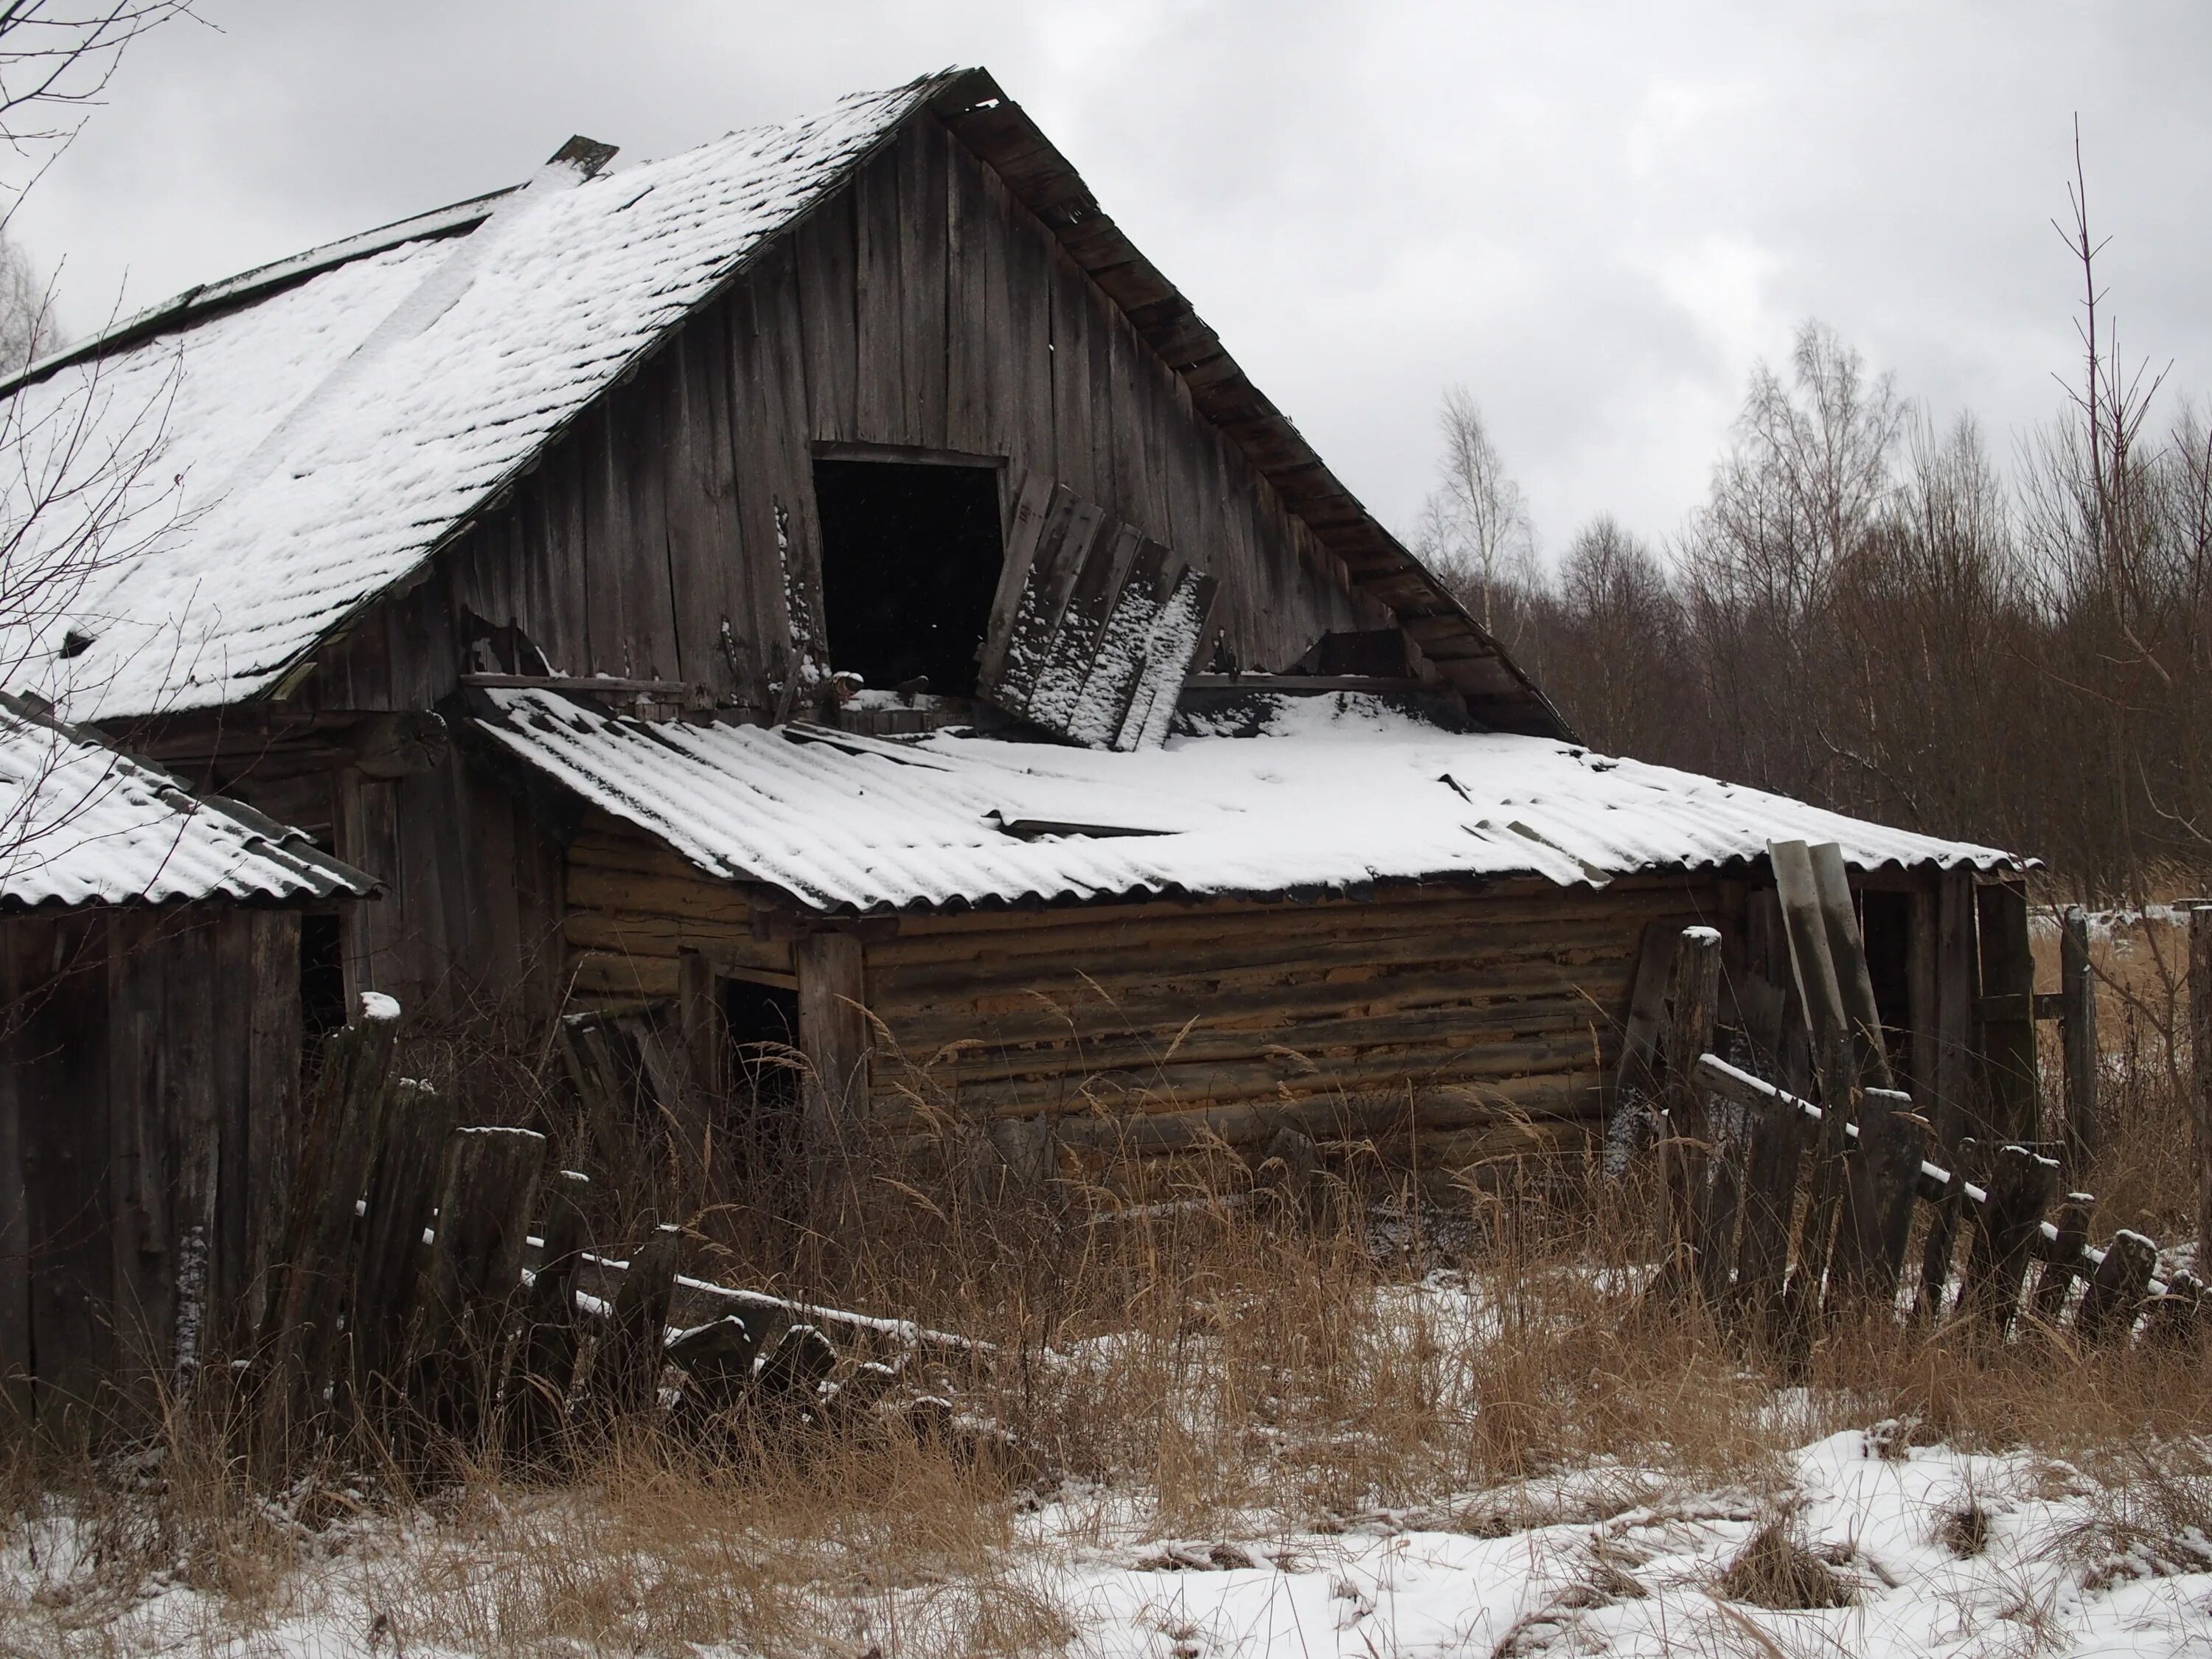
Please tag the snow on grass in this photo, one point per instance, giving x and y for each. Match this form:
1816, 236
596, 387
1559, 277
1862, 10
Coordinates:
1929, 1550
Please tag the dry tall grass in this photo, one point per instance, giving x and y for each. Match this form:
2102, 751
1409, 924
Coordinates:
1211, 1368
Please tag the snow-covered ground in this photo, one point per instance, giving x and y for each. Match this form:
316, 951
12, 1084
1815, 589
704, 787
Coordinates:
1609, 1560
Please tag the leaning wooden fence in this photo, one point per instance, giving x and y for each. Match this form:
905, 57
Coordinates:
438, 1280
1783, 1210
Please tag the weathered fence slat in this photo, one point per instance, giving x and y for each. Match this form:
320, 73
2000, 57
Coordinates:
545, 1355
626, 1375
1884, 1181
2117, 1290
2020, 1190
473, 1273
2063, 1260
343, 1129
403, 1195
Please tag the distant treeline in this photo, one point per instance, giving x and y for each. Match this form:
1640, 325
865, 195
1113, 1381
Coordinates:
1876, 615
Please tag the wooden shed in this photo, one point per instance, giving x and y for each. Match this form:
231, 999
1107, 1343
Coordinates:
831, 573
151, 976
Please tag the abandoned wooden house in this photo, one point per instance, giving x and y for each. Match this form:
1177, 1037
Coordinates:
831, 582
150, 973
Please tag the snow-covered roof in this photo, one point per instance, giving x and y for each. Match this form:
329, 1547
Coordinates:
303, 453
1338, 794
268, 455
80, 823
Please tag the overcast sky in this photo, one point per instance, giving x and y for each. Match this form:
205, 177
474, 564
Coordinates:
1597, 217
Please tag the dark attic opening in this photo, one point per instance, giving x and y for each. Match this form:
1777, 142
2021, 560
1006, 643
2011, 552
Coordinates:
910, 557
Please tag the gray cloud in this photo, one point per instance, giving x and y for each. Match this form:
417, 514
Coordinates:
1595, 217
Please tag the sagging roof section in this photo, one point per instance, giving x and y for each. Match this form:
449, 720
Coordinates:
1339, 794
82, 824
313, 430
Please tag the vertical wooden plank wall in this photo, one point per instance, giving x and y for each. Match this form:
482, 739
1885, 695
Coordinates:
149, 1072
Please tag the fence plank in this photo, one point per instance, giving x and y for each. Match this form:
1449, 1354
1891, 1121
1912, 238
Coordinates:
2117, 1290
626, 1376
2063, 1260
1693, 1004
473, 1273
403, 1193
1941, 1248
1884, 1176
2020, 1189
545, 1357
343, 1127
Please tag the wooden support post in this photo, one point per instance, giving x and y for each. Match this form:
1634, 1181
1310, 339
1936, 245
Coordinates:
473, 1274
1958, 983
2008, 1042
833, 1032
2117, 1290
2018, 1191
2077, 992
1693, 1004
2200, 1095
1832, 1060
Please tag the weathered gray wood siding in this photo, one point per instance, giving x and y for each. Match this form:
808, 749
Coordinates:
920, 306
149, 1071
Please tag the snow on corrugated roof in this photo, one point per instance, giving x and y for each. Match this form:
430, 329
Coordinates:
1340, 793
80, 823
315, 447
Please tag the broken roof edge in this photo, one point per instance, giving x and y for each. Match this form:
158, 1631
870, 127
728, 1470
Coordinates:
976, 111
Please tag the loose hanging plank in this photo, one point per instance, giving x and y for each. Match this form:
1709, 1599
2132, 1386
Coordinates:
1847, 950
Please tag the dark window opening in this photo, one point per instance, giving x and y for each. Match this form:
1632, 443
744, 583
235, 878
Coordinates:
910, 558
762, 1025
1885, 925
322, 975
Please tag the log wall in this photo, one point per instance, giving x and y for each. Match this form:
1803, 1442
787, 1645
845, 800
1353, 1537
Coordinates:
149, 1071
1158, 1024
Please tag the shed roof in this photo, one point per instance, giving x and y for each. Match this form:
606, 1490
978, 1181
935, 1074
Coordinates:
1340, 793
82, 823
299, 439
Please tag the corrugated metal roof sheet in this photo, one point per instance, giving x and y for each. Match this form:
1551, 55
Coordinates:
80, 823
1340, 793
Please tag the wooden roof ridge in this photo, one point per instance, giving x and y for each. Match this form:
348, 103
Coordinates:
997, 130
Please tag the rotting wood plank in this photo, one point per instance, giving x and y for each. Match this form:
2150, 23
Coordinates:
139, 1161
2117, 1290
275, 1038
546, 1351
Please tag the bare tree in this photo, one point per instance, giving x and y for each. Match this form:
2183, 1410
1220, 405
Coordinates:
1474, 525
57, 60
